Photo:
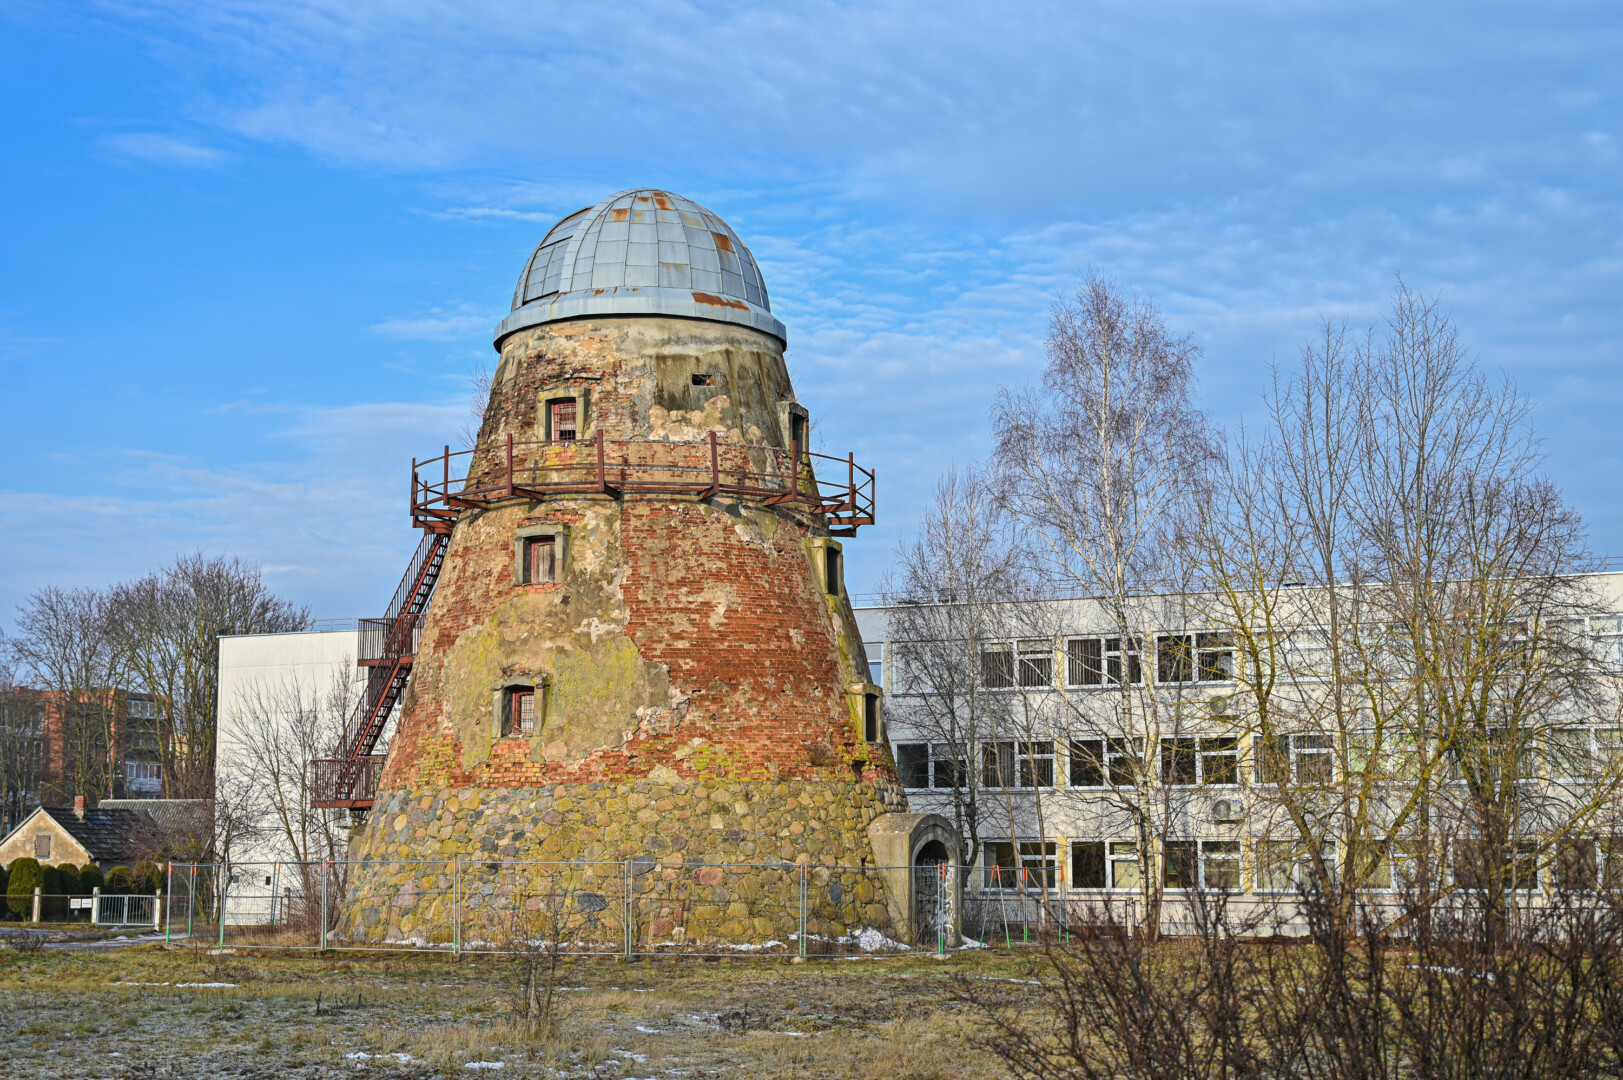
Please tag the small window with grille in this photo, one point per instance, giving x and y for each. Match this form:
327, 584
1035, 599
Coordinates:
518, 711
563, 417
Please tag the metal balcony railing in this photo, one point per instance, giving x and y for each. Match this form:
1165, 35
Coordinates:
348, 783
443, 486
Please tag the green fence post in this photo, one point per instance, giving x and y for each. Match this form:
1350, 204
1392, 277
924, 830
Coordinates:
225, 882
324, 905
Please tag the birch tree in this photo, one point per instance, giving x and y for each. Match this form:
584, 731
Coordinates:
1104, 465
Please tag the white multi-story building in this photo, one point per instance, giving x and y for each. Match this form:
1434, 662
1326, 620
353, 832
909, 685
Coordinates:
1076, 759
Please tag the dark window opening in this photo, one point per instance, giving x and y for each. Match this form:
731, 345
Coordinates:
564, 419
701, 379
831, 571
1088, 766
1084, 662
1122, 761
1036, 663
997, 667
1180, 761
1088, 865
870, 717
1182, 658
1179, 864
797, 430
922, 765
913, 763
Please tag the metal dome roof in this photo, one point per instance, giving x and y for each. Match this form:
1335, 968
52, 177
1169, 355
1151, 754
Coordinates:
642, 252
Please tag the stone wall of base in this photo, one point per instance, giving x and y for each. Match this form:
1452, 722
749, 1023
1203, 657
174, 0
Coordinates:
681, 862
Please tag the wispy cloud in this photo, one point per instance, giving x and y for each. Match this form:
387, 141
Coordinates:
438, 326
162, 149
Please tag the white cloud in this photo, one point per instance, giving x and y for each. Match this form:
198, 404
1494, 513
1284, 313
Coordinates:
330, 523
437, 327
162, 149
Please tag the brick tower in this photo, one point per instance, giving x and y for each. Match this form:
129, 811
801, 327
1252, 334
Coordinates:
640, 647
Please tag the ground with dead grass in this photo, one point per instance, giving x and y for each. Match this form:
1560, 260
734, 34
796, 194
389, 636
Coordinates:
152, 1011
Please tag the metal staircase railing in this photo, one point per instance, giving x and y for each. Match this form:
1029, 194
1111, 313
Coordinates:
387, 648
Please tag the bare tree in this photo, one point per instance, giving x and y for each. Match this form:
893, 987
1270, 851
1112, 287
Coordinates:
278, 728
946, 601
166, 629
1104, 464
22, 745
1399, 584
65, 647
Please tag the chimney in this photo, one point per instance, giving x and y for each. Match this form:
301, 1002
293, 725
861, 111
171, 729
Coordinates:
79, 807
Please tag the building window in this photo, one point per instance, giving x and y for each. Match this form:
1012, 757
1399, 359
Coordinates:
1087, 760
518, 711
1035, 663
1482, 867
797, 430
42, 845
1088, 864
563, 417
923, 765
540, 560
143, 775
1124, 869
1287, 865
1584, 862
997, 667
1025, 864
831, 570
1201, 864
1188, 658
142, 708
870, 717
1017, 764
1293, 759
1101, 661
1210, 761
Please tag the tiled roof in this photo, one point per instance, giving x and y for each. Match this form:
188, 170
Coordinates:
109, 834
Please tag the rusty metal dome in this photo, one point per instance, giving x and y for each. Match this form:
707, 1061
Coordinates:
642, 252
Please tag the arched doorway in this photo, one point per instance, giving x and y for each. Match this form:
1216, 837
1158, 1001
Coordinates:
932, 894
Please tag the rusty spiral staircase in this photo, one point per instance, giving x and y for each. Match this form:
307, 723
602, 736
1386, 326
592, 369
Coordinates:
612, 468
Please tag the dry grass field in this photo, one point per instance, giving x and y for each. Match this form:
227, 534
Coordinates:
149, 1011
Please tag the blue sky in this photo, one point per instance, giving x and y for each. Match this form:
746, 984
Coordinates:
252, 251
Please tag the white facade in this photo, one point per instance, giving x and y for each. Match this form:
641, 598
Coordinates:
1054, 820
264, 679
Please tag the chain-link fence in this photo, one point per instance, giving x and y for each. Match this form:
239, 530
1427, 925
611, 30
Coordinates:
638, 907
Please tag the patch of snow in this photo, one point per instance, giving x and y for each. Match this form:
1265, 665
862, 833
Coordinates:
650, 1031
756, 948
485, 1065
207, 986
638, 1058
362, 1055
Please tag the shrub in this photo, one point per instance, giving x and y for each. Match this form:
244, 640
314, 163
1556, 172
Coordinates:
119, 880
90, 879
148, 877
26, 876
52, 905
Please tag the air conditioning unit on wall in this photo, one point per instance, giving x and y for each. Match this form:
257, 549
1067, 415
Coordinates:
1228, 811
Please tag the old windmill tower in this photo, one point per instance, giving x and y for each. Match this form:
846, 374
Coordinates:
639, 644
